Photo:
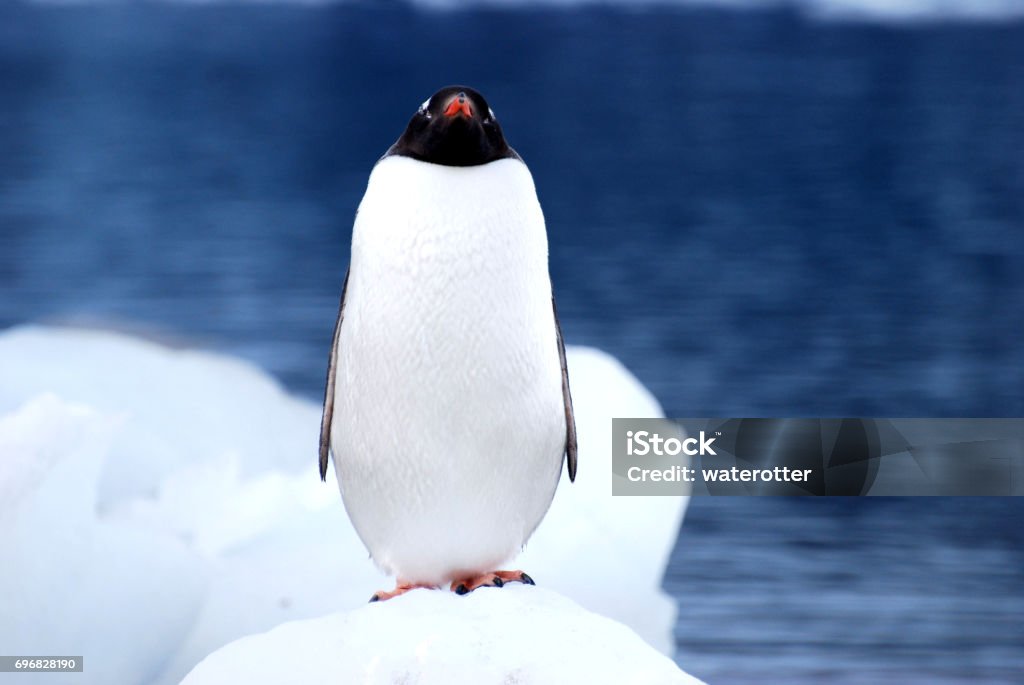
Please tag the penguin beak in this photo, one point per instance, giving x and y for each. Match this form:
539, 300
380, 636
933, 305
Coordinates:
459, 105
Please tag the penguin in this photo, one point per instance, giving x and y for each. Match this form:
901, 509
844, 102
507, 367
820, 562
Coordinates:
447, 406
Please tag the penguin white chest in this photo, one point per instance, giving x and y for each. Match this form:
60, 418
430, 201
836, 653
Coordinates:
448, 428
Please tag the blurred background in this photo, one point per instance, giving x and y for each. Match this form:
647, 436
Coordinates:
806, 208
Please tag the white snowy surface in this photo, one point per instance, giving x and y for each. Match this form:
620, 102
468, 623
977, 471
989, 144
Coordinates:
516, 634
157, 503
74, 584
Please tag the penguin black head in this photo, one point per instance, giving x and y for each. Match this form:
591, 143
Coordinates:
455, 127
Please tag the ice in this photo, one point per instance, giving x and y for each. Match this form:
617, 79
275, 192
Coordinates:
74, 585
592, 545
180, 407
518, 634
159, 503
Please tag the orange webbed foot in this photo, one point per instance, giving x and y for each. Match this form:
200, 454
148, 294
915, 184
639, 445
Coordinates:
400, 589
493, 579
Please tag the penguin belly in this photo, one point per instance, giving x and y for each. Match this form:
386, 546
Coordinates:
449, 426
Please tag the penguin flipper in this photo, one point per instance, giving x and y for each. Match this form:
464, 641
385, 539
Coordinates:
332, 365
570, 418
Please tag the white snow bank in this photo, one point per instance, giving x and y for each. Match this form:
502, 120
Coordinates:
181, 407
175, 490
69, 583
516, 634
592, 546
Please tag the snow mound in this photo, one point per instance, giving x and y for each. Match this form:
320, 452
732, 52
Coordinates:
591, 546
69, 583
516, 634
158, 503
180, 407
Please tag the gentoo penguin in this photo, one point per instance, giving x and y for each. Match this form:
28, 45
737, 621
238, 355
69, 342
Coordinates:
447, 406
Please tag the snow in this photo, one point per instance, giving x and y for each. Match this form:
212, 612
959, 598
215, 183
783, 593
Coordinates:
158, 503
181, 406
71, 584
518, 634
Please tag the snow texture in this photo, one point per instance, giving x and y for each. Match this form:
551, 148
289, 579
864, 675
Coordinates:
516, 634
158, 503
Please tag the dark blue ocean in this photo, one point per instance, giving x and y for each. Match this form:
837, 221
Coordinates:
759, 214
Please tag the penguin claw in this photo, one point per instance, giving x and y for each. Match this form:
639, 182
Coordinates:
400, 589
495, 579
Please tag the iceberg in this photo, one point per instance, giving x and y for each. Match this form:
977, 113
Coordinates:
72, 584
518, 634
158, 503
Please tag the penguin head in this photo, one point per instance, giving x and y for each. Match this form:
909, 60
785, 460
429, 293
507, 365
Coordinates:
454, 127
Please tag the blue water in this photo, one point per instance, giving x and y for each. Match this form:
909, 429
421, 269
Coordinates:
758, 214
852, 591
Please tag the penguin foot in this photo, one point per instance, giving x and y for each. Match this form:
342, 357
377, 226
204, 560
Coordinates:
400, 589
492, 579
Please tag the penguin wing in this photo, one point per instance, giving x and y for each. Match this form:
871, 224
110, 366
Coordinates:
332, 365
570, 419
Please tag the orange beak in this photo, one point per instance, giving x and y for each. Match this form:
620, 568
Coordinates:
459, 104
